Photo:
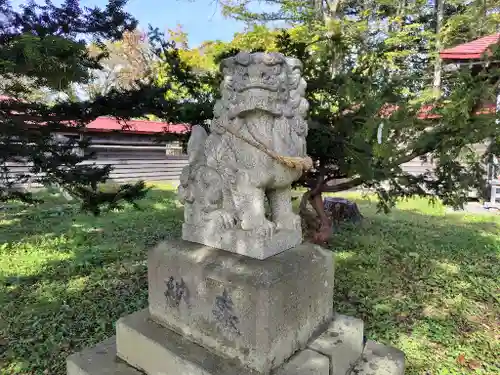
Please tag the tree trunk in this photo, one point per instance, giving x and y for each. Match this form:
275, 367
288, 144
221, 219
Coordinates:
319, 224
439, 12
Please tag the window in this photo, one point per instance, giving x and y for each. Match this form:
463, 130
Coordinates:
174, 149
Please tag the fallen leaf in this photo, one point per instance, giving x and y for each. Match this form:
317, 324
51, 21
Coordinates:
474, 365
461, 360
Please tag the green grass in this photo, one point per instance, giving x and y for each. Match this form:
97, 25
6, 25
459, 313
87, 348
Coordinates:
423, 281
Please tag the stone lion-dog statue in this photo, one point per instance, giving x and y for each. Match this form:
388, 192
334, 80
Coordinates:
255, 150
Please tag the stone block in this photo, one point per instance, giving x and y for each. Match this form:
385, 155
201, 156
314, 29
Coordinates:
258, 312
342, 342
306, 362
243, 242
154, 349
157, 350
99, 360
379, 359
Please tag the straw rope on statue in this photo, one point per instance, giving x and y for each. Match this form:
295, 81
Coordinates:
294, 162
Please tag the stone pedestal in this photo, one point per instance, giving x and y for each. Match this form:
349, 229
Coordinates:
212, 312
257, 312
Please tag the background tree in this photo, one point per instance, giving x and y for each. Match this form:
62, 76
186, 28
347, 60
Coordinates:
370, 68
127, 62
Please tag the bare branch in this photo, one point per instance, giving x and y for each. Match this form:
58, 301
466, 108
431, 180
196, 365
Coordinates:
352, 183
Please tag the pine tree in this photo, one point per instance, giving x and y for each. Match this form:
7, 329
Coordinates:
44, 49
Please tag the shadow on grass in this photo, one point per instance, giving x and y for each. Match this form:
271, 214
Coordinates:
422, 283
66, 277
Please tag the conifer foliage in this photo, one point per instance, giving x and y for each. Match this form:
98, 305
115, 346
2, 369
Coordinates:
44, 51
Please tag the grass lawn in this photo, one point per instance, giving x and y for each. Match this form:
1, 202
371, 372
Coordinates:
425, 282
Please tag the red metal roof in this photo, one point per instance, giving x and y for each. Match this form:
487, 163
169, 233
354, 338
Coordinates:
470, 50
108, 124
424, 113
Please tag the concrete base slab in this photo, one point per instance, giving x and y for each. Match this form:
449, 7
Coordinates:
259, 312
306, 362
342, 343
379, 359
155, 350
101, 360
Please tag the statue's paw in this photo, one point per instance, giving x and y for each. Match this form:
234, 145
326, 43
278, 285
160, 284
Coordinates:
290, 222
223, 219
228, 221
267, 229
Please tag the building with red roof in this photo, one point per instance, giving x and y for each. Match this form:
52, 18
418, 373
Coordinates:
132, 147
474, 50
470, 53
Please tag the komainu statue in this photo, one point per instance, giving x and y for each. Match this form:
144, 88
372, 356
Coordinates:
255, 150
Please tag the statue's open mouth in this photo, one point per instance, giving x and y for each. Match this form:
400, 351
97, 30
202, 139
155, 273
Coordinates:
265, 107
258, 86
263, 111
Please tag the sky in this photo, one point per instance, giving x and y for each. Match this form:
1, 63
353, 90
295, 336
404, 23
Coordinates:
201, 19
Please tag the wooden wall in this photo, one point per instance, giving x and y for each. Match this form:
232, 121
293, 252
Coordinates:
417, 167
133, 158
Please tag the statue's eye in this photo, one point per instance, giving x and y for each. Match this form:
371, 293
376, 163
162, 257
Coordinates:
241, 70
